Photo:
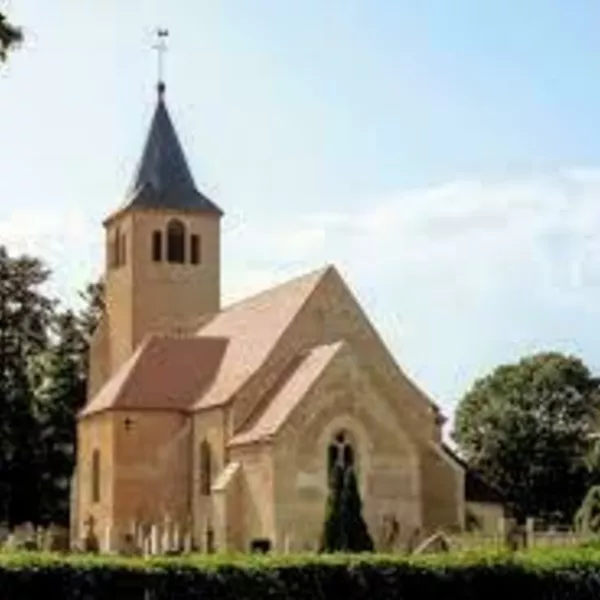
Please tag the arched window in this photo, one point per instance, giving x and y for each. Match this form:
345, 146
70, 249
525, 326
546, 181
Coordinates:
195, 250
340, 452
205, 468
157, 246
176, 241
96, 476
114, 251
122, 249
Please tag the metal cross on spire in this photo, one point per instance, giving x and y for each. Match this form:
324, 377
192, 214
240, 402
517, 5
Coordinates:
161, 49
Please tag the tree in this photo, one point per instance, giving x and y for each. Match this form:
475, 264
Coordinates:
527, 429
355, 535
10, 36
88, 318
345, 529
60, 395
25, 314
94, 305
332, 538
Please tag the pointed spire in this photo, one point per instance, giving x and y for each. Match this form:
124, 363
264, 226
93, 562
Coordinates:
163, 178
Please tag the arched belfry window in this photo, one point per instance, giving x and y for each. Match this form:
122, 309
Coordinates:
176, 241
205, 468
195, 251
117, 249
157, 246
122, 249
114, 249
341, 452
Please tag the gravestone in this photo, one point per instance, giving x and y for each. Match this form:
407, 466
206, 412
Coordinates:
91, 544
56, 539
435, 544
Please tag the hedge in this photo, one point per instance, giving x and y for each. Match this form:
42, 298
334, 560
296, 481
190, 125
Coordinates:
539, 575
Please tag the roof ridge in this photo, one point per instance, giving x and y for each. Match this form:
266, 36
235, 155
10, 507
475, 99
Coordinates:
317, 273
314, 277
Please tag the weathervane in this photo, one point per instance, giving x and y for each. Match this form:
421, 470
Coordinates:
161, 49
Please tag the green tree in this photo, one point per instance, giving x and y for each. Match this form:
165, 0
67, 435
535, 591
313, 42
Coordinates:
527, 429
344, 529
10, 36
88, 318
355, 535
25, 315
332, 538
60, 395
94, 305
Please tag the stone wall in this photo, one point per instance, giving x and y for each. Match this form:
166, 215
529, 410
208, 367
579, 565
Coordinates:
170, 297
209, 426
95, 433
386, 459
332, 314
152, 467
145, 470
442, 484
255, 518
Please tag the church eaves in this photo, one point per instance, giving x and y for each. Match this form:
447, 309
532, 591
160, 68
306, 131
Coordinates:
163, 179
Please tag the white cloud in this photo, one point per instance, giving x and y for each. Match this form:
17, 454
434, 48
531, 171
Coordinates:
456, 276
541, 231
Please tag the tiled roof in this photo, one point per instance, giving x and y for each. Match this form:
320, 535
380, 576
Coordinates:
206, 369
164, 373
163, 179
289, 394
253, 327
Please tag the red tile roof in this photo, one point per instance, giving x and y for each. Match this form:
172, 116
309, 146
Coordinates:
164, 373
253, 327
206, 369
290, 393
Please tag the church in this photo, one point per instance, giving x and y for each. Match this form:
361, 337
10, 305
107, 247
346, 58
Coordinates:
225, 419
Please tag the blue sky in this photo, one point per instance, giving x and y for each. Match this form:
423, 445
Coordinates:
444, 155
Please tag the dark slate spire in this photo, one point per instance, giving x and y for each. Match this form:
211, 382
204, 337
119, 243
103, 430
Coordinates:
163, 178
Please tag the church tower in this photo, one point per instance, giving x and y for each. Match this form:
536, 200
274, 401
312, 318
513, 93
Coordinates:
162, 250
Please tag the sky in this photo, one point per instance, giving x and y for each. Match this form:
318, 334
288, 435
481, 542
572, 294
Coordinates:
445, 156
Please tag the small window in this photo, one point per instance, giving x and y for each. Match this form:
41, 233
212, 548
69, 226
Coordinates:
110, 254
340, 452
117, 247
114, 249
205, 468
123, 250
176, 242
157, 246
195, 249
96, 476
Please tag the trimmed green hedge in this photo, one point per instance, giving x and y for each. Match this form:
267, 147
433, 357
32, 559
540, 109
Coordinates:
539, 575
